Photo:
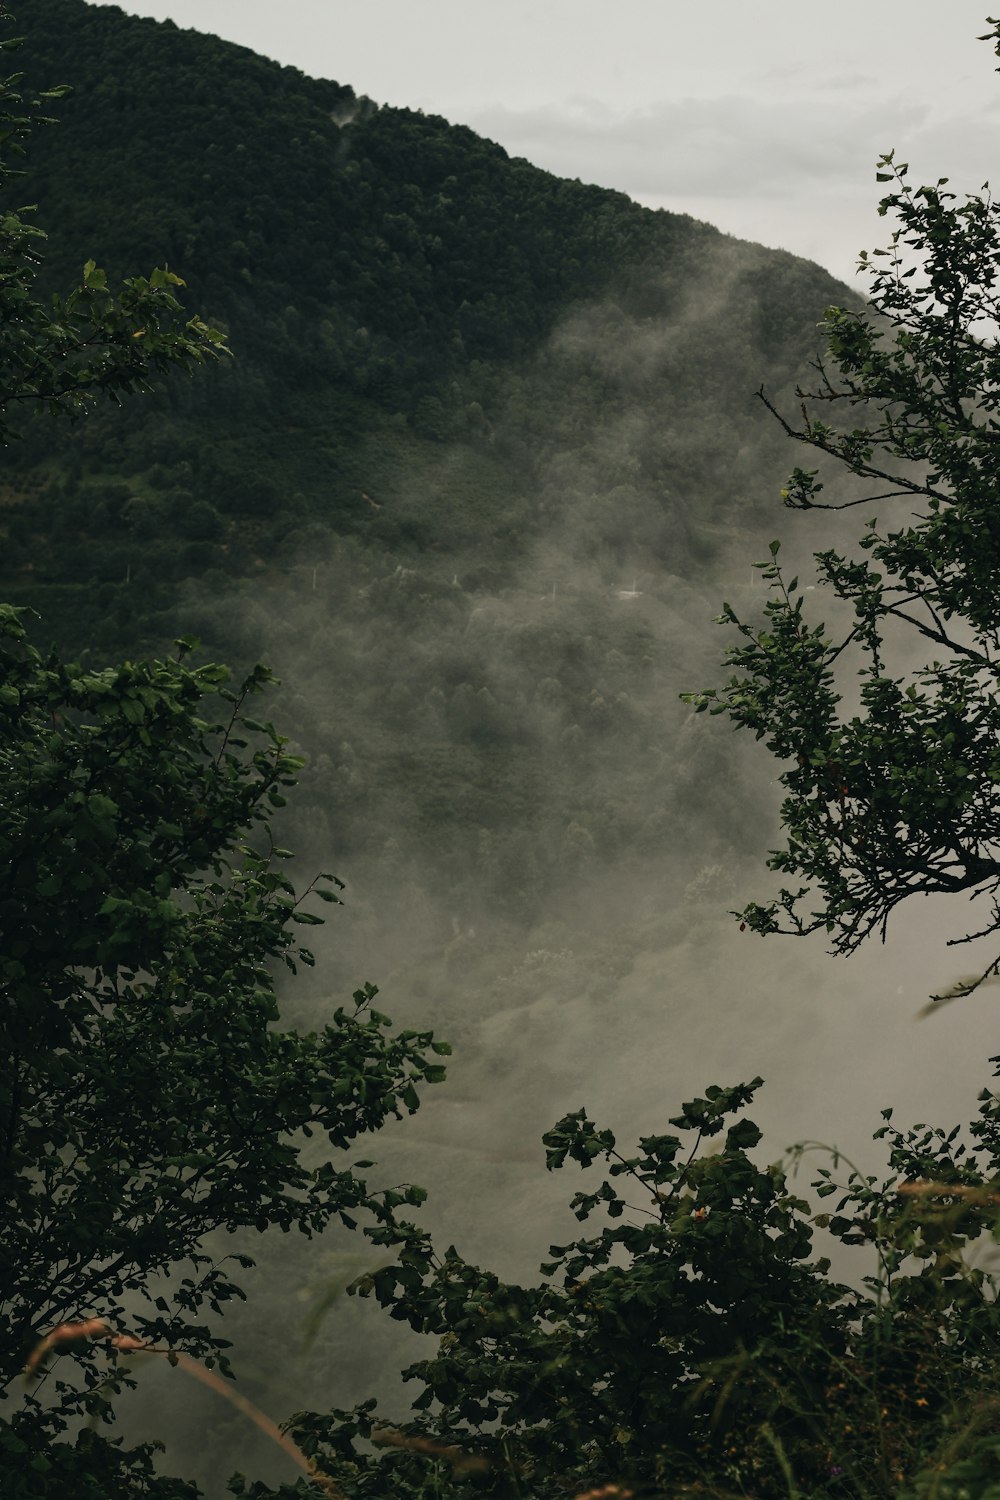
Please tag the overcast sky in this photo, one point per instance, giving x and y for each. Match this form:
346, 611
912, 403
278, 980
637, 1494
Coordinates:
764, 118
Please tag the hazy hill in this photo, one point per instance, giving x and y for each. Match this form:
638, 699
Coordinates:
485, 463
383, 275
471, 405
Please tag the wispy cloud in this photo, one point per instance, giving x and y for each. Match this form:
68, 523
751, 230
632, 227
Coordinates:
724, 147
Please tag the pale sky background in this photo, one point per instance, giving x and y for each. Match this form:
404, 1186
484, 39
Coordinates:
764, 119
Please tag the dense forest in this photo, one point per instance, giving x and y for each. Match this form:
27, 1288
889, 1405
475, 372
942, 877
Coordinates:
486, 457
470, 404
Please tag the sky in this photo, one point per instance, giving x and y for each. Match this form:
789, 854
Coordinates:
764, 119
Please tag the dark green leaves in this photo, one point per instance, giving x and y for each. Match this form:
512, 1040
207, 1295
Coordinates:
61, 358
708, 1115
575, 1138
900, 795
151, 1098
637, 1354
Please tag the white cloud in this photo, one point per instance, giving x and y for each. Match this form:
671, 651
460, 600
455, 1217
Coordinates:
716, 148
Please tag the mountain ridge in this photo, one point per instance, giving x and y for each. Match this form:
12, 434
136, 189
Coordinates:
428, 517
487, 458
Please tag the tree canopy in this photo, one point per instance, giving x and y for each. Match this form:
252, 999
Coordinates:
687, 1343
63, 354
901, 796
149, 1095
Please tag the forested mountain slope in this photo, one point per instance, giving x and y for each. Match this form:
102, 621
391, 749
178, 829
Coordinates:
471, 405
384, 277
486, 458
469, 483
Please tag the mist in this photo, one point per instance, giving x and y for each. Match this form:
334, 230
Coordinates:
540, 843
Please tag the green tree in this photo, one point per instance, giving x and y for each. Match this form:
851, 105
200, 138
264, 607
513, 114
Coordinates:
687, 1344
149, 1095
63, 356
901, 796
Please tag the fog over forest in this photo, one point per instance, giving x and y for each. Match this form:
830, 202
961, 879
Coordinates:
475, 487
560, 912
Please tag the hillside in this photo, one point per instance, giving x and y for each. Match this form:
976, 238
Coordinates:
387, 280
471, 403
485, 462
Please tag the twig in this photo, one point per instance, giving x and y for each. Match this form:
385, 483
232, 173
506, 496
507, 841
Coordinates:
124, 1343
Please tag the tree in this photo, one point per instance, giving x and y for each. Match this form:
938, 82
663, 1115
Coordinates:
902, 796
64, 356
687, 1345
148, 1094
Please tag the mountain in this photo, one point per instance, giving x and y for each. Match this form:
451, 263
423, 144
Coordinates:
471, 405
387, 281
486, 460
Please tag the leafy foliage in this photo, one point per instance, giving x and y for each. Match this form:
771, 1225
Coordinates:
900, 797
62, 357
688, 1344
149, 1095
